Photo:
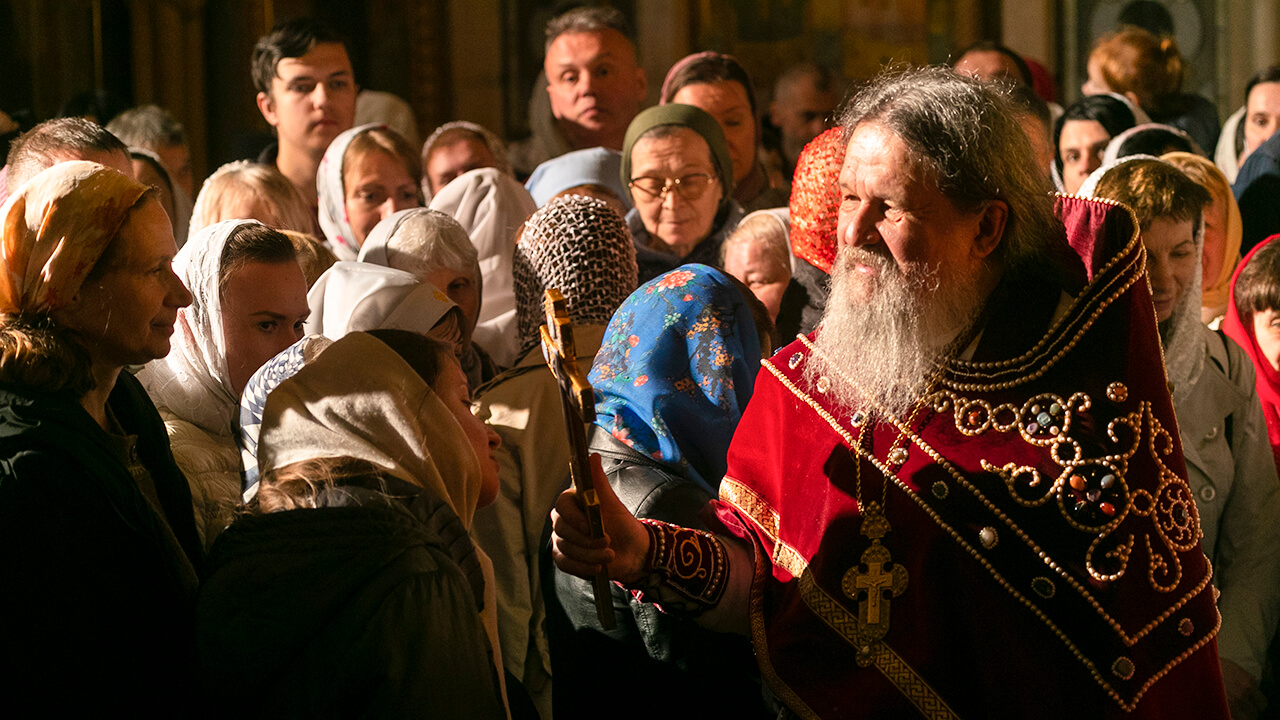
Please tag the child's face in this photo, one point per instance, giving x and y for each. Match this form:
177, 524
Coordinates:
1266, 328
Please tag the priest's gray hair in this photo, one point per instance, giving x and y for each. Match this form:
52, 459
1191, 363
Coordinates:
967, 133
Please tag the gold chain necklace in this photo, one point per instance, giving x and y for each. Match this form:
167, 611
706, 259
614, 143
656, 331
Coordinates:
876, 579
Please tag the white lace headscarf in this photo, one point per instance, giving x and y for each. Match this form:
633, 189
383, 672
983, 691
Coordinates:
491, 206
193, 381
354, 296
1184, 340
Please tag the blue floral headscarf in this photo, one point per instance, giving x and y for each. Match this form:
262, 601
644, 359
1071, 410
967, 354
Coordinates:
676, 369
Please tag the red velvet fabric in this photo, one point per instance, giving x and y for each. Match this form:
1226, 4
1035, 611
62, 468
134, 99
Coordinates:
1268, 379
1069, 613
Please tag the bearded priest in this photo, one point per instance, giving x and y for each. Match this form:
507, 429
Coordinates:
964, 496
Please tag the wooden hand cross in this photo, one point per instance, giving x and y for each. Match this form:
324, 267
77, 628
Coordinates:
578, 401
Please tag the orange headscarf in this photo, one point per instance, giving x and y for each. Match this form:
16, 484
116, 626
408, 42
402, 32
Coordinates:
1213, 300
55, 228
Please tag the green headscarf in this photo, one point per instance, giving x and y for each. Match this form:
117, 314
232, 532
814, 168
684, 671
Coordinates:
686, 116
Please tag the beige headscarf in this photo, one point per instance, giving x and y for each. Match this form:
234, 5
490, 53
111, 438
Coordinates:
386, 415
1214, 303
56, 227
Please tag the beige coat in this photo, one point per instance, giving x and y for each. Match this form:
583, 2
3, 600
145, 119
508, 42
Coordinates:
523, 406
1233, 475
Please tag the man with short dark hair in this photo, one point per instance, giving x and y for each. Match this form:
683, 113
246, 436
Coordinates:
151, 127
594, 82
307, 92
61, 140
963, 495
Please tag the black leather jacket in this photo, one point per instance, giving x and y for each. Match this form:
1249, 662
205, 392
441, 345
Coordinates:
651, 657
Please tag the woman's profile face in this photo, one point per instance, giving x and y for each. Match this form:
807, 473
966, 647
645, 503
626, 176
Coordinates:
376, 185
124, 313
452, 388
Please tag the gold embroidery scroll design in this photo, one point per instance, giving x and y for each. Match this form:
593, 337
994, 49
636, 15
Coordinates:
690, 562
1091, 493
1127, 701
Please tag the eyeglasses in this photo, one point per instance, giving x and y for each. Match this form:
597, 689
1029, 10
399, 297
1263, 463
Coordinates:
689, 187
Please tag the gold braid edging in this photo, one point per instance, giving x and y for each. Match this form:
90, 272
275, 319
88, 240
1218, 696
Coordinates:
751, 505
889, 663
1090, 666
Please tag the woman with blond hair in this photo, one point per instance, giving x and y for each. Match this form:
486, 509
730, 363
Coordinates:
244, 190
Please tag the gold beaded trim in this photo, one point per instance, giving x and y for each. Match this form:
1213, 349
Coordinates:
995, 574
1090, 295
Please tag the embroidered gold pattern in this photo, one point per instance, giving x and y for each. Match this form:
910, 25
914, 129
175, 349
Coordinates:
691, 562
1123, 668
1186, 627
1131, 700
753, 506
988, 537
1091, 493
1117, 392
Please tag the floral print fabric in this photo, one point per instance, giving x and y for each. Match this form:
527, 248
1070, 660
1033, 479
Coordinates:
676, 369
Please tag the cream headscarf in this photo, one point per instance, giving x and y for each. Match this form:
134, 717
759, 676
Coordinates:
1213, 304
193, 380
353, 296
491, 207
56, 227
383, 414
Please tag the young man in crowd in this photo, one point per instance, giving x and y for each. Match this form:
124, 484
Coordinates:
307, 92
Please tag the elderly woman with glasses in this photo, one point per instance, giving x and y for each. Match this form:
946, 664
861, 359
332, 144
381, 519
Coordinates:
676, 166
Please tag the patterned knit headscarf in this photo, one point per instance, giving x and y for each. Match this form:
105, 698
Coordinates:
581, 247
815, 199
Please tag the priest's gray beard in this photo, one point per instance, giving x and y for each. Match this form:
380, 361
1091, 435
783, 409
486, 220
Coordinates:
885, 335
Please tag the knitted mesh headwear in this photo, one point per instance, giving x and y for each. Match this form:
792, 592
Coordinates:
815, 200
581, 247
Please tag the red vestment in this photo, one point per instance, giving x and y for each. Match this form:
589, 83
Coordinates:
1050, 540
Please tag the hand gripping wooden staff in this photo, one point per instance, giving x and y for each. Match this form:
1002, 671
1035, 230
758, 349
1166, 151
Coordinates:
578, 401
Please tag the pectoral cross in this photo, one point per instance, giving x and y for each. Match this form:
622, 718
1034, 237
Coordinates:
873, 583
577, 399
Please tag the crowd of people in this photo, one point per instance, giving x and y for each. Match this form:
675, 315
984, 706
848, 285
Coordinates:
883, 426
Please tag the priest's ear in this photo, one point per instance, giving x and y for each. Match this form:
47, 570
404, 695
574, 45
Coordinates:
990, 228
